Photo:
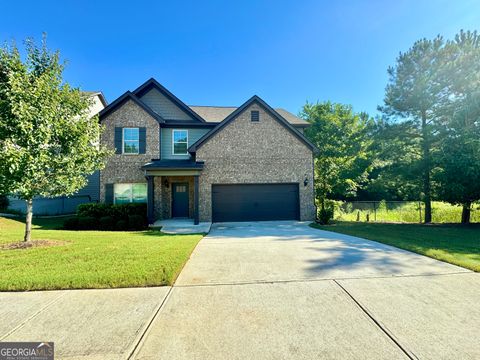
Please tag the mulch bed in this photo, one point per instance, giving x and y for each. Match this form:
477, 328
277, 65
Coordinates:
31, 244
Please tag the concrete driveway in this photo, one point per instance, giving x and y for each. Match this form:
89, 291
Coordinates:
276, 290
282, 290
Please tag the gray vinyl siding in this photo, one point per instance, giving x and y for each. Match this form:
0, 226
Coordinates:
92, 189
166, 141
163, 106
62, 204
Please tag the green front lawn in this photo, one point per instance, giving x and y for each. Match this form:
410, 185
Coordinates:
90, 259
455, 244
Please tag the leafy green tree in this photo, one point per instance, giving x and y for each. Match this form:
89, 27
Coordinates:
396, 164
48, 142
413, 94
459, 156
459, 177
342, 165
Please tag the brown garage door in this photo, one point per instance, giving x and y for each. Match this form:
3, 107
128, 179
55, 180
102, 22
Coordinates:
255, 202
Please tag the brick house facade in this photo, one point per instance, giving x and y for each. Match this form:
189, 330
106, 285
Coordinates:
206, 163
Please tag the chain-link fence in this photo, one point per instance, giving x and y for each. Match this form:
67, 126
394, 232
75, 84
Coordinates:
400, 211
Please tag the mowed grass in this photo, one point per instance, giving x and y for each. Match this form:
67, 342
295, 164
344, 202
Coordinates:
90, 259
409, 212
455, 244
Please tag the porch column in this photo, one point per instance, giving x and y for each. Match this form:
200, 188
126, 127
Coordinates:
150, 200
196, 215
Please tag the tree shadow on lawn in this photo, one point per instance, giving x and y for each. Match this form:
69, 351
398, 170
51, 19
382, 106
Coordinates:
51, 223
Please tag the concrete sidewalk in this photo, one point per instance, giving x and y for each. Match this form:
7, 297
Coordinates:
83, 324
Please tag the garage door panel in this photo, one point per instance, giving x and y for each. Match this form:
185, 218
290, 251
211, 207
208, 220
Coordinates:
255, 202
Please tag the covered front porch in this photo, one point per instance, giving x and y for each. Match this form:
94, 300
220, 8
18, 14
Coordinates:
172, 191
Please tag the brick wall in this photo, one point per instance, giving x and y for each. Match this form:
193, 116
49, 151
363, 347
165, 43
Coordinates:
127, 168
255, 152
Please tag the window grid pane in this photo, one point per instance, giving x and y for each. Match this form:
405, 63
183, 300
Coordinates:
180, 142
122, 193
180, 136
131, 147
131, 140
180, 148
128, 193
139, 192
131, 134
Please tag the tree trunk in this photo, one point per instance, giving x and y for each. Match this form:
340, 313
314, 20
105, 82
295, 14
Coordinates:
426, 169
28, 221
466, 213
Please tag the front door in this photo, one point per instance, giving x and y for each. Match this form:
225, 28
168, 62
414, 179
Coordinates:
180, 200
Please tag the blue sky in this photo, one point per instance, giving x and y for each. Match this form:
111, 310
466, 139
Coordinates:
223, 52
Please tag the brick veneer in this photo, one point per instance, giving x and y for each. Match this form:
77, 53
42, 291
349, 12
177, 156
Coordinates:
127, 168
256, 152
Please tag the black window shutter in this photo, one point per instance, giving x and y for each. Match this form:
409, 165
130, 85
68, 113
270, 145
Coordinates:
108, 193
142, 132
255, 115
118, 140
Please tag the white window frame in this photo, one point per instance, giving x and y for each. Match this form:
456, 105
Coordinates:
173, 141
123, 141
131, 191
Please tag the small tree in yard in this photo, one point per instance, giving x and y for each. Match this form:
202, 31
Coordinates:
48, 142
343, 161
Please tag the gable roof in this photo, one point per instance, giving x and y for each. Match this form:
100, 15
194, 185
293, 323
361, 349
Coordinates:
99, 94
219, 113
122, 100
152, 83
206, 115
254, 99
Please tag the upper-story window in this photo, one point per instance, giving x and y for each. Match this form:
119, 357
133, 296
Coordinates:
131, 140
180, 142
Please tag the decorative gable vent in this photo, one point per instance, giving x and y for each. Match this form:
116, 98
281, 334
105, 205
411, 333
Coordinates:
255, 115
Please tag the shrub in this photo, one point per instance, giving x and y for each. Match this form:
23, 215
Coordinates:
71, 223
121, 225
136, 222
125, 210
111, 217
118, 211
87, 223
96, 210
106, 223
325, 215
4, 202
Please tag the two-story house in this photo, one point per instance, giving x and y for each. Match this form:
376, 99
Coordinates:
206, 163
